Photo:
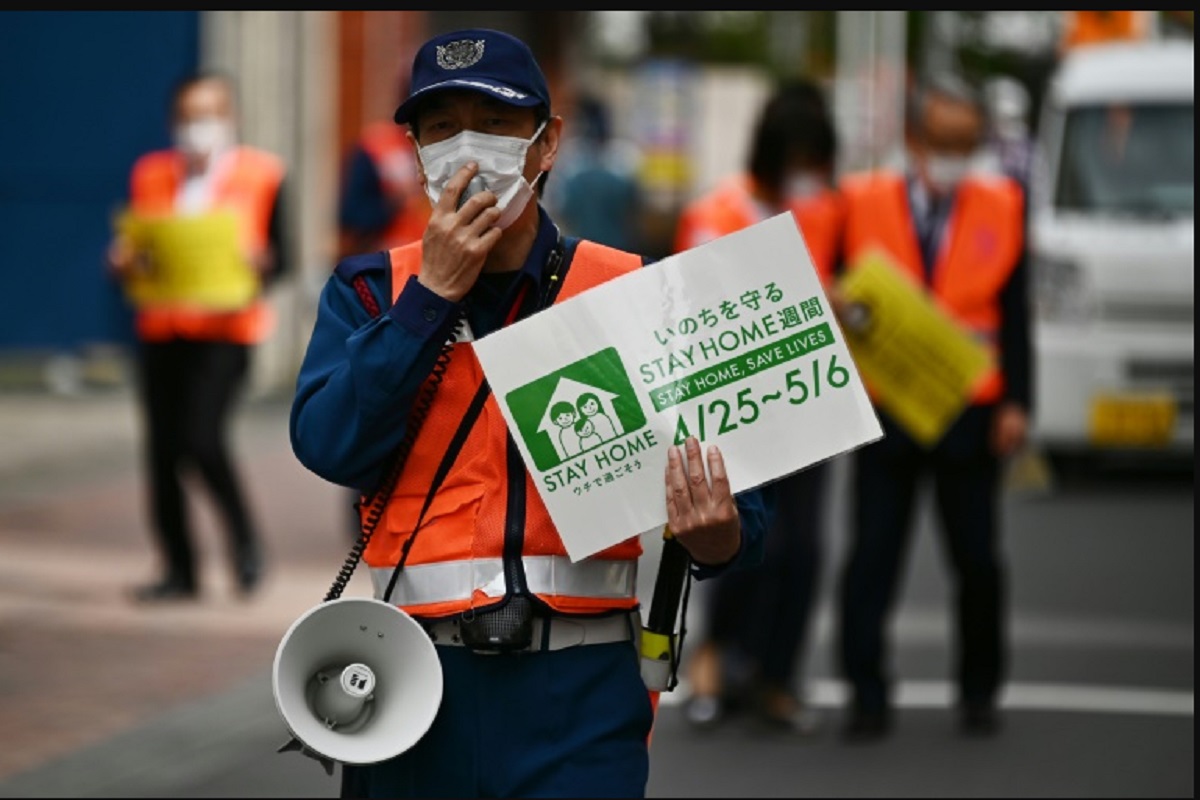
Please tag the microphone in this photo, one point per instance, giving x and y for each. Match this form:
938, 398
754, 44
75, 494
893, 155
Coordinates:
342, 696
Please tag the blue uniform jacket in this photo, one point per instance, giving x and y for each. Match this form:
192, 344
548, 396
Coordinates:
360, 375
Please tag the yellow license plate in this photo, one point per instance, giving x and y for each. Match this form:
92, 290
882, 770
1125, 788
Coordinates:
1132, 420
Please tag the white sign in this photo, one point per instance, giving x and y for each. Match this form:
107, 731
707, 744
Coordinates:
733, 342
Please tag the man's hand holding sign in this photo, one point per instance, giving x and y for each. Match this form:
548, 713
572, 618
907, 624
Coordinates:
702, 516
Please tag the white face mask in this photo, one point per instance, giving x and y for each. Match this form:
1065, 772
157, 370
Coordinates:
203, 137
803, 186
944, 172
1008, 128
501, 161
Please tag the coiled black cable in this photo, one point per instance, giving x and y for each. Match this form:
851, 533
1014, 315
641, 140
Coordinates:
379, 497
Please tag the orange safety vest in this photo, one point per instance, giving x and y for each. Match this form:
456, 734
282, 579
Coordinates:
1096, 27
396, 163
731, 207
456, 561
979, 251
247, 185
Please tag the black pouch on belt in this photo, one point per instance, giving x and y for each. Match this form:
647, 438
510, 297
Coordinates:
501, 630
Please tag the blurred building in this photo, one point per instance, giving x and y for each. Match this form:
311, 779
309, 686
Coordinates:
84, 94
90, 90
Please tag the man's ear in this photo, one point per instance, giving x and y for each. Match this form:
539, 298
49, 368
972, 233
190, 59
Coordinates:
550, 139
412, 140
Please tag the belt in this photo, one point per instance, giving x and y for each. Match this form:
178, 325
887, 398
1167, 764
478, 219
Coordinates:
564, 631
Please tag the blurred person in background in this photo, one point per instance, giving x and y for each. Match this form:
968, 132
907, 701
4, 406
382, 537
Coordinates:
381, 205
758, 619
1009, 136
597, 195
538, 649
960, 235
193, 361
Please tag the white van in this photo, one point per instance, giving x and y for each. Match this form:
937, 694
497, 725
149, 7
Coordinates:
1112, 253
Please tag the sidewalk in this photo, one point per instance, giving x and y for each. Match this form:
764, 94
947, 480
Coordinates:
103, 698
79, 663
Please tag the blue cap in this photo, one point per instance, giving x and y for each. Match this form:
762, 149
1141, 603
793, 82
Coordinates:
491, 62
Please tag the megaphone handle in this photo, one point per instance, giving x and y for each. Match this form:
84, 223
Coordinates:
296, 745
668, 606
668, 586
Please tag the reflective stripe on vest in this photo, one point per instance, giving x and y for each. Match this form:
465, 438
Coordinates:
247, 185
425, 584
730, 207
979, 251
466, 521
392, 154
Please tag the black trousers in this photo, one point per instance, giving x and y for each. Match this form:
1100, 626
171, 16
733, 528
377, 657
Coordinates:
766, 610
187, 392
965, 477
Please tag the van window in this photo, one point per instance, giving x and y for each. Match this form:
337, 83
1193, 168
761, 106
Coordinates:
1128, 159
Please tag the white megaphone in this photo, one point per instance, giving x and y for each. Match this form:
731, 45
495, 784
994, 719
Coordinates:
357, 681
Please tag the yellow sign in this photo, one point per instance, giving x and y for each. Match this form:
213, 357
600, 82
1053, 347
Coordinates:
196, 260
1143, 420
918, 363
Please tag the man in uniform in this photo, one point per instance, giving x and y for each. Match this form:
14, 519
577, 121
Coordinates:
543, 691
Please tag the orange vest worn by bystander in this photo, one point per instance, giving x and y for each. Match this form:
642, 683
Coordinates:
1083, 28
731, 207
392, 153
247, 183
979, 251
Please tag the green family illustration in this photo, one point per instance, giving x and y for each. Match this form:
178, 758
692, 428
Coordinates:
580, 417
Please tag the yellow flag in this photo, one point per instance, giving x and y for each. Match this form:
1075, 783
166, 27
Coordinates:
918, 362
194, 260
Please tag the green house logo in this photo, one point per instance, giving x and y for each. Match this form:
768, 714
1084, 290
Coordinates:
576, 409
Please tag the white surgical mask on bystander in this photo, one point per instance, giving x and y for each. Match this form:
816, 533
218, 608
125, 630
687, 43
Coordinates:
203, 137
945, 172
803, 185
